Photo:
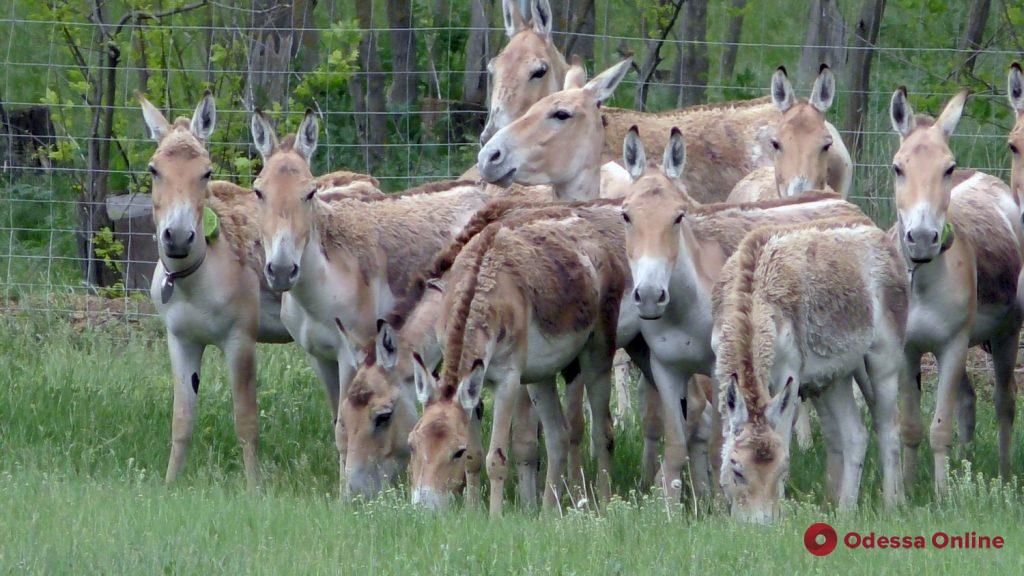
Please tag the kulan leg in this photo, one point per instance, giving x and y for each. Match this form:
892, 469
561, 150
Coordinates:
240, 353
952, 360
1004, 357
505, 400
843, 408
526, 447
698, 430
672, 386
966, 415
602, 442
911, 426
833, 448
652, 427
884, 377
545, 398
186, 361
574, 413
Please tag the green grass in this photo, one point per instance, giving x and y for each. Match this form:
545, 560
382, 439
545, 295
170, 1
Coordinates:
84, 430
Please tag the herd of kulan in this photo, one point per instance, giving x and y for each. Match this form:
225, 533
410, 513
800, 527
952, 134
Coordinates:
733, 273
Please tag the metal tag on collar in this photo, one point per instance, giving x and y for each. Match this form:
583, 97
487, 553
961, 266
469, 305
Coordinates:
166, 289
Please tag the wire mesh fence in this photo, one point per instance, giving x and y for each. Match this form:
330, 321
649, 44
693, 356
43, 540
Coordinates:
401, 87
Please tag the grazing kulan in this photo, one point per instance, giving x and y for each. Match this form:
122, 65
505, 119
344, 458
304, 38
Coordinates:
538, 296
960, 243
343, 264
808, 151
801, 310
676, 250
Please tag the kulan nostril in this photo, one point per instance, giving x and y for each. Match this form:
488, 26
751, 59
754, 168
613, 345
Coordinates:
910, 237
295, 270
167, 235
935, 237
496, 156
270, 268
636, 296
191, 235
662, 297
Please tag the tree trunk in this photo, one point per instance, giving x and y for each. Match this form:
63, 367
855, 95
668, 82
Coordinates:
865, 35
403, 54
367, 89
733, 34
653, 59
693, 74
823, 41
270, 53
474, 83
971, 39
578, 20
92, 214
6, 149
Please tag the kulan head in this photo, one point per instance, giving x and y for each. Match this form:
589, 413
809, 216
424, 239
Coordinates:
1015, 93
443, 444
286, 191
802, 140
181, 171
923, 174
559, 137
529, 67
755, 453
654, 213
378, 411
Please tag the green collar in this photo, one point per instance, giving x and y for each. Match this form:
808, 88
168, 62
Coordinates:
211, 224
947, 236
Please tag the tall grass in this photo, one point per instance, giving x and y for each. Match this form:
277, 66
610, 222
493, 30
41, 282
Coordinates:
84, 436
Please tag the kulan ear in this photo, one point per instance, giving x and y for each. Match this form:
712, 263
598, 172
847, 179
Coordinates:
951, 114
603, 85
263, 136
155, 120
513, 18
423, 380
306, 137
472, 387
1015, 88
633, 155
540, 14
675, 155
779, 405
576, 76
735, 406
901, 114
387, 345
204, 118
824, 90
782, 91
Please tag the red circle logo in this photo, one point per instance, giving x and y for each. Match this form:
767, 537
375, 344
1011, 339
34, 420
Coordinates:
820, 539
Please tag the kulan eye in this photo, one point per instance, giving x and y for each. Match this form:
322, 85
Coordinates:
258, 193
897, 170
679, 218
826, 147
539, 73
207, 175
458, 453
561, 115
1013, 148
153, 171
949, 171
381, 420
626, 219
776, 145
